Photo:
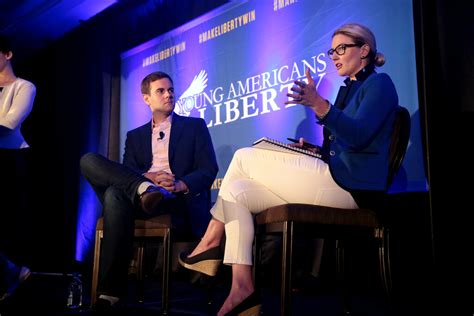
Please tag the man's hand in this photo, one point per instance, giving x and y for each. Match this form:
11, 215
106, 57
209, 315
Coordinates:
167, 181
180, 186
162, 178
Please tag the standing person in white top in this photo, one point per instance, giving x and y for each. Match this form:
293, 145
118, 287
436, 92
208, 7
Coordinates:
16, 102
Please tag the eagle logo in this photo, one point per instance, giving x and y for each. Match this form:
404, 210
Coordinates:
186, 101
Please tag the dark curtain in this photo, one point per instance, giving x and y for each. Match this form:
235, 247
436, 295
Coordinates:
445, 63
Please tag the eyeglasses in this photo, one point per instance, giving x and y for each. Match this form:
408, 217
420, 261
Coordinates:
341, 49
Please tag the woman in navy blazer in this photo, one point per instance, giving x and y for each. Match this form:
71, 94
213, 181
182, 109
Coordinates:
355, 158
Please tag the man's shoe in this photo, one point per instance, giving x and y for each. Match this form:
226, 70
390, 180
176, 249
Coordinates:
106, 307
103, 305
206, 262
152, 197
23, 274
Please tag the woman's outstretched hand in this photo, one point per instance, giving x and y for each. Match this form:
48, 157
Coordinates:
306, 94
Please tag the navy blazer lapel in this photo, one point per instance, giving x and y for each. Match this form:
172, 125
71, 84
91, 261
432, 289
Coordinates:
177, 126
145, 144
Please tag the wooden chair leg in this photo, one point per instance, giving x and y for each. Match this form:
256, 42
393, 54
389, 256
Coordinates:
382, 236
166, 272
95, 270
286, 268
341, 278
256, 257
140, 272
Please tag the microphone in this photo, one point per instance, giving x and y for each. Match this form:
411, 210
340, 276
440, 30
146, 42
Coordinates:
162, 135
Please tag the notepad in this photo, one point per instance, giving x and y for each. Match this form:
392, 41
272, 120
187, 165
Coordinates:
271, 144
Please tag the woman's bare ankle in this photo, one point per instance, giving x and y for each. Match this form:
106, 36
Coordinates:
204, 245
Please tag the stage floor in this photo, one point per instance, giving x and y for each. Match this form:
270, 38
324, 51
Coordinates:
44, 294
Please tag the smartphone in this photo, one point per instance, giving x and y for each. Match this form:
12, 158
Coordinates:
305, 144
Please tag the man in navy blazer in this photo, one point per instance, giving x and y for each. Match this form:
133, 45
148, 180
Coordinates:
168, 166
191, 158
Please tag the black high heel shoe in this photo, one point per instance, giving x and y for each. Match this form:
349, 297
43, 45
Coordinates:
206, 262
250, 306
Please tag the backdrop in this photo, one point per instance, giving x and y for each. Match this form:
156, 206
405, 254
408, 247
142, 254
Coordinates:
234, 66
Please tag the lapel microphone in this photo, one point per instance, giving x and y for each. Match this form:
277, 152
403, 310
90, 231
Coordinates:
162, 135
